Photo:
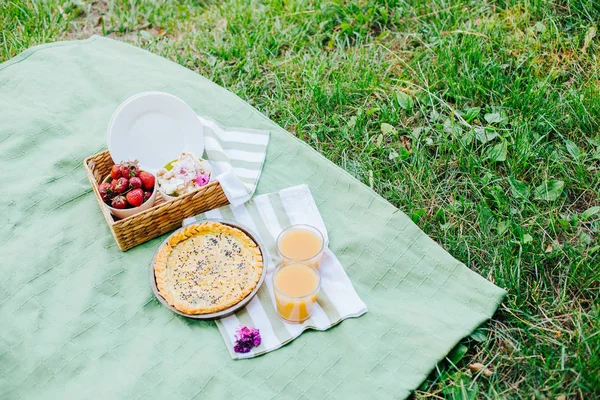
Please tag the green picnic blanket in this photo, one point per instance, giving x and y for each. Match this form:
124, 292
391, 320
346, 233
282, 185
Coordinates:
77, 316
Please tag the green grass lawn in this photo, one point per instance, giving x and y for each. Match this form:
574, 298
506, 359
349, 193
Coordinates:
479, 119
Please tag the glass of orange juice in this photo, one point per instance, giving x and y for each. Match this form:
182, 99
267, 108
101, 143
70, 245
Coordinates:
296, 287
303, 244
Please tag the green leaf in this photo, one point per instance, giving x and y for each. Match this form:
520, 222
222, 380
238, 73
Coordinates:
416, 215
479, 335
371, 111
590, 212
573, 149
388, 129
393, 154
379, 140
467, 138
445, 227
574, 220
146, 36
352, 121
486, 217
344, 26
493, 118
416, 132
440, 215
457, 353
212, 61
585, 238
594, 142
404, 100
498, 152
590, 34
502, 227
518, 188
549, 191
451, 127
540, 27
485, 135
564, 222
527, 238
471, 113
404, 154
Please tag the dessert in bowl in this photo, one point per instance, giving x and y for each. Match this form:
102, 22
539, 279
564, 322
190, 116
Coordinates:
183, 175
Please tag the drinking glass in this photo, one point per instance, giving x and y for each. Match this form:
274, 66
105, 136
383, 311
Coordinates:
295, 305
291, 240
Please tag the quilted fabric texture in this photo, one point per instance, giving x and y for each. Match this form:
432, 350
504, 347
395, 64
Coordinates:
78, 316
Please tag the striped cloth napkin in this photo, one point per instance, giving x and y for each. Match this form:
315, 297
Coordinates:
267, 215
237, 156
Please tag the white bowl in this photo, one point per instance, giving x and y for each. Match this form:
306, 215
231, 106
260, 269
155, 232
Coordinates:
127, 212
166, 197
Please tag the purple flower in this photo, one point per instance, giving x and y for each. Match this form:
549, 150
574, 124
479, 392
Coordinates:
242, 348
202, 179
246, 339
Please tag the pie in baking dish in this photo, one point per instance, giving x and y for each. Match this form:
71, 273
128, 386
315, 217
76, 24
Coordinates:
207, 267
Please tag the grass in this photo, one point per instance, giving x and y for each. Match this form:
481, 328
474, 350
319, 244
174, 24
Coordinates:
479, 119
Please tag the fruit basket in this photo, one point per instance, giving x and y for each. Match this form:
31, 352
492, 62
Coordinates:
161, 218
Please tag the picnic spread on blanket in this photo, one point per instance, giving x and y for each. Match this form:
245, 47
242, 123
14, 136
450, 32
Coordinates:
172, 230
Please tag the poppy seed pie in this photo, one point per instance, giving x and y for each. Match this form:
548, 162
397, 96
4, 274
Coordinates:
207, 267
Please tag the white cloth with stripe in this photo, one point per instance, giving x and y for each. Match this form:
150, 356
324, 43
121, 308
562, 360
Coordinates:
267, 215
237, 156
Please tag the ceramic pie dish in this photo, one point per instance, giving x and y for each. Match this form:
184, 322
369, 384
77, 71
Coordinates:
209, 269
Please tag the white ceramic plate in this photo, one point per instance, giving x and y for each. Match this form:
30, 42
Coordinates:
154, 128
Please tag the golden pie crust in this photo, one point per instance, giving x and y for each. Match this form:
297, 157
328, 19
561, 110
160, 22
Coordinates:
207, 267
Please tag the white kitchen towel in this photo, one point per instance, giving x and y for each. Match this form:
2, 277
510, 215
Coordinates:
268, 215
237, 156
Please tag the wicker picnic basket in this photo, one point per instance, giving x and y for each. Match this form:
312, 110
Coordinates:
163, 217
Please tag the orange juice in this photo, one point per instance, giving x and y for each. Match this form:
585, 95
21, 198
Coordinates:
296, 287
302, 243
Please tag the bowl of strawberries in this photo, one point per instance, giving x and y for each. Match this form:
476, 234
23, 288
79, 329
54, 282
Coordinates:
128, 190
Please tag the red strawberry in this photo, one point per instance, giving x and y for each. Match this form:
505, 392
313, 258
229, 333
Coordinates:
135, 197
147, 195
135, 182
106, 191
119, 202
147, 179
121, 185
115, 172
130, 169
